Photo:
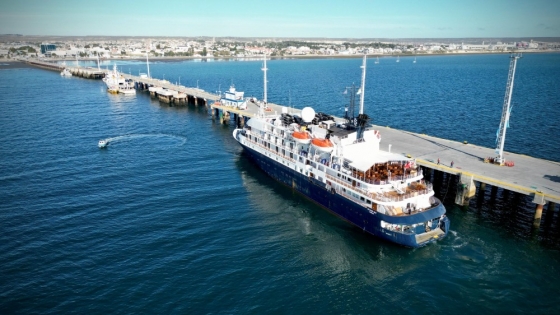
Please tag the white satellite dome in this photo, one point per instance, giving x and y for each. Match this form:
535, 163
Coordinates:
307, 114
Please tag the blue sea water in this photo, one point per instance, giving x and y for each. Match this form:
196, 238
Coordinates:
172, 218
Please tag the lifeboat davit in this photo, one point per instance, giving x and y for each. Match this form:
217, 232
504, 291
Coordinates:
324, 145
301, 137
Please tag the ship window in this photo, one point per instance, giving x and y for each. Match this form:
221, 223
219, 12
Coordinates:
368, 201
362, 199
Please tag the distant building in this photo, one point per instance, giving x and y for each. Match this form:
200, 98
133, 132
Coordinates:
47, 48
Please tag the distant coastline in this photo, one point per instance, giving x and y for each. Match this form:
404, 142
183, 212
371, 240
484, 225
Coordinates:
259, 57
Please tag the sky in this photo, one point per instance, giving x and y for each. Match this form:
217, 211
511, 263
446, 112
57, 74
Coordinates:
283, 18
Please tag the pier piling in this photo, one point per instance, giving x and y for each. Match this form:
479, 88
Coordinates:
539, 200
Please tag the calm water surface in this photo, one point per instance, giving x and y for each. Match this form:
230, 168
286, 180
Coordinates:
172, 218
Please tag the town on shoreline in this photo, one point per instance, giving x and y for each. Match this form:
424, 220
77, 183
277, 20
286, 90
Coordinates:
72, 48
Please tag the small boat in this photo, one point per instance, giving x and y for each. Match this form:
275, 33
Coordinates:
102, 143
66, 73
324, 145
302, 137
114, 80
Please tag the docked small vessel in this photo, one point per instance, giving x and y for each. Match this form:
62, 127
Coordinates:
116, 83
102, 143
66, 73
338, 163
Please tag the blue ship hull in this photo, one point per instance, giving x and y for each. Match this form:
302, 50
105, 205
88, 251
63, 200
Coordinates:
360, 216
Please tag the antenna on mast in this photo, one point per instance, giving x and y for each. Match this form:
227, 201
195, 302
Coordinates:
506, 111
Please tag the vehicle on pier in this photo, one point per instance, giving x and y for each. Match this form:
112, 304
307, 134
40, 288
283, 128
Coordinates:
343, 169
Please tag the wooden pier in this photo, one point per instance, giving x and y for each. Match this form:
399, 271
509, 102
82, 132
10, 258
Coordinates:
529, 176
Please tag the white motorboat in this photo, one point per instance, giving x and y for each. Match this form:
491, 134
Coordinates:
102, 143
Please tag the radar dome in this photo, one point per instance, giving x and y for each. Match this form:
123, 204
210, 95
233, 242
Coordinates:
307, 114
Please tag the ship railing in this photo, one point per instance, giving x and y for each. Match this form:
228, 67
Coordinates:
347, 185
286, 156
392, 196
389, 179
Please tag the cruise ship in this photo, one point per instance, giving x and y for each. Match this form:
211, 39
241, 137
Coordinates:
339, 165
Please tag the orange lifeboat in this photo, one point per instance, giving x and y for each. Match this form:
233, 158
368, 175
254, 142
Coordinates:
301, 137
324, 145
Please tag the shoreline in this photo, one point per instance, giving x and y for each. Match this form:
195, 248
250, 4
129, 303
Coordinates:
259, 57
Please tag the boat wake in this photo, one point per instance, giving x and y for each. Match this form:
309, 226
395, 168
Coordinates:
182, 140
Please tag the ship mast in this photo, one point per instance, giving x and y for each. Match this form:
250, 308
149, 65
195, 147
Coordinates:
506, 110
148, 64
362, 118
362, 87
264, 69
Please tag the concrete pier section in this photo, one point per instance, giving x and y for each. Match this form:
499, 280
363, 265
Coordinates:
530, 176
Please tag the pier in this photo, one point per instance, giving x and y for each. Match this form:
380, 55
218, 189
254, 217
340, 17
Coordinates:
534, 177
88, 73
